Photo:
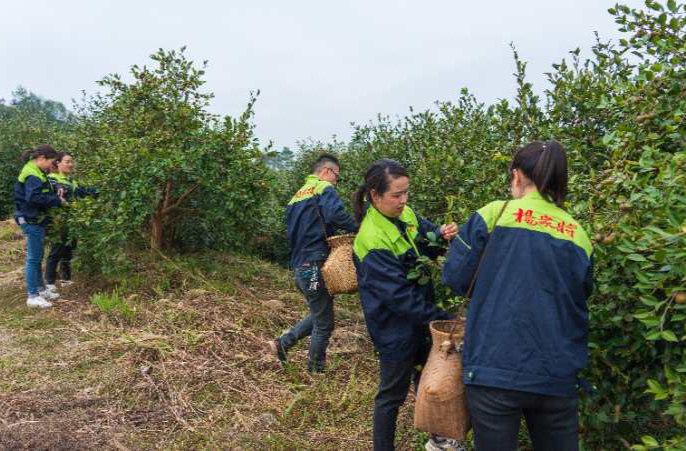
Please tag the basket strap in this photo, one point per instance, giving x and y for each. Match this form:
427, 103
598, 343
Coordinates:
319, 215
483, 254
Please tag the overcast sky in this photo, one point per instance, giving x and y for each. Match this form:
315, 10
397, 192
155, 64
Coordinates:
319, 64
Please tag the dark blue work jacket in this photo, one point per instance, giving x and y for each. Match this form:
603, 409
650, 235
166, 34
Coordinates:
527, 326
396, 310
34, 195
303, 223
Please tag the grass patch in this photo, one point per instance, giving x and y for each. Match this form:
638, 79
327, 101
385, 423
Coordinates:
114, 306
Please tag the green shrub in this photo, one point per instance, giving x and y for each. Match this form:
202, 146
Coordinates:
170, 174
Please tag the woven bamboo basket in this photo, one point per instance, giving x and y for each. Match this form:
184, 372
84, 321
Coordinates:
441, 406
338, 270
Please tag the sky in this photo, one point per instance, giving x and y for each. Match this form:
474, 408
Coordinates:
319, 65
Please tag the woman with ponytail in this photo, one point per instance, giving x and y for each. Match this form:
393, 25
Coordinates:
527, 263
397, 310
33, 197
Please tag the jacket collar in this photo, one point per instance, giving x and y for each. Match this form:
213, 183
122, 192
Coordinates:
534, 195
384, 224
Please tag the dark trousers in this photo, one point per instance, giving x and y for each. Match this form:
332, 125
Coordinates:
319, 324
553, 422
60, 254
394, 385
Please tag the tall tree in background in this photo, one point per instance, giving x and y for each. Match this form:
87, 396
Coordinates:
169, 172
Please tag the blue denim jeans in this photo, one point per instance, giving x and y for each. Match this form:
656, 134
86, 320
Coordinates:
35, 238
319, 323
552, 421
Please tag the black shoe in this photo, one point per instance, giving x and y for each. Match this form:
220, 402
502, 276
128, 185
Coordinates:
278, 350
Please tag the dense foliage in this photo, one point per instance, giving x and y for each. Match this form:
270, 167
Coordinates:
169, 173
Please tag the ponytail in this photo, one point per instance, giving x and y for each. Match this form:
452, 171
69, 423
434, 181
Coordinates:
26, 155
358, 201
377, 178
545, 164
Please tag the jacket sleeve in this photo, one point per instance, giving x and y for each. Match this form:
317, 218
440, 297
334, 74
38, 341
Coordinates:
426, 226
33, 194
333, 212
80, 192
588, 280
388, 284
464, 255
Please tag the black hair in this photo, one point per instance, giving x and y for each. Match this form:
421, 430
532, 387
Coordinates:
61, 155
377, 178
42, 150
322, 160
545, 164
26, 155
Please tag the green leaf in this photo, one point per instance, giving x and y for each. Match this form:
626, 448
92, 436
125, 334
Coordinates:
653, 335
637, 258
668, 335
649, 441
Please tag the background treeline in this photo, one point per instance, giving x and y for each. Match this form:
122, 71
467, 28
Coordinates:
173, 175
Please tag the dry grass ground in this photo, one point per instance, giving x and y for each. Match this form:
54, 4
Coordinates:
173, 356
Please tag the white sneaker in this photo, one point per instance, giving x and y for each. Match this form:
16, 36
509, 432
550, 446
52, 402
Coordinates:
437, 443
49, 294
38, 301
65, 283
51, 287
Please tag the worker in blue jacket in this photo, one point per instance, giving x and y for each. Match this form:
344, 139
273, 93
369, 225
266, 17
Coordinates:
61, 251
397, 310
33, 197
314, 212
527, 326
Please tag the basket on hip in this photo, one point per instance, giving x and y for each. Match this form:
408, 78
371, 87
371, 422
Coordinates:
441, 406
338, 270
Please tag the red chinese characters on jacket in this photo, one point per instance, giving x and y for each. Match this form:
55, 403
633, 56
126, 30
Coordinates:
530, 217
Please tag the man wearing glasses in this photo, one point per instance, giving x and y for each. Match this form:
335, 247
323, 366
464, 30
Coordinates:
314, 213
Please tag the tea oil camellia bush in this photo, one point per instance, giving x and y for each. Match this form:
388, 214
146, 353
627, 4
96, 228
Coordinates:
620, 114
169, 173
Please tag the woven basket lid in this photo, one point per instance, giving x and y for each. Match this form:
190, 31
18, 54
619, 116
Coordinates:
340, 240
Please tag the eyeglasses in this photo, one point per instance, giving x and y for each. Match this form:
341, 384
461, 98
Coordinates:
334, 172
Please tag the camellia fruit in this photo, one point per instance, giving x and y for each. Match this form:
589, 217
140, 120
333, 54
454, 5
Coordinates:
610, 238
680, 298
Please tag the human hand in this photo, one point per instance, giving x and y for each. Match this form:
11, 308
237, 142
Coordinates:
448, 231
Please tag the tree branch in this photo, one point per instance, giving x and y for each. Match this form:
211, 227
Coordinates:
167, 197
180, 200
